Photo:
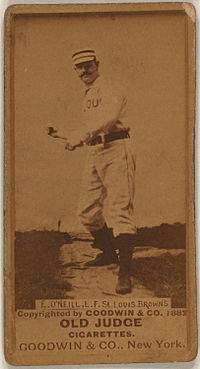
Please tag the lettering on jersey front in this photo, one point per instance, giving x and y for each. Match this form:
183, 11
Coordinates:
93, 103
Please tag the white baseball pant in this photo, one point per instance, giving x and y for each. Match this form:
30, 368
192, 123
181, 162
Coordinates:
109, 174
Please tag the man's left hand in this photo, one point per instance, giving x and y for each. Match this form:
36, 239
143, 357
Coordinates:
69, 147
90, 136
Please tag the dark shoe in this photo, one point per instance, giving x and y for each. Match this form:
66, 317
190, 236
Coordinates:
123, 285
103, 259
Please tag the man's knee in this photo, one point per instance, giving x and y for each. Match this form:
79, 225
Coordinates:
91, 221
84, 218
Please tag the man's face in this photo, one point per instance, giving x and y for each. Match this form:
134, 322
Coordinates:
87, 71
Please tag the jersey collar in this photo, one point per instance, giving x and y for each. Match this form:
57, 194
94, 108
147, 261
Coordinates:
94, 84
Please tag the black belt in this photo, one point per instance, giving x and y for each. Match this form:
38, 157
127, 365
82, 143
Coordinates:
112, 136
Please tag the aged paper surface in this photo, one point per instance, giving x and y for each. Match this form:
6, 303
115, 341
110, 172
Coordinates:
99, 130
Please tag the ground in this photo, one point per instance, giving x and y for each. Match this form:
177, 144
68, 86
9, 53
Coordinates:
52, 265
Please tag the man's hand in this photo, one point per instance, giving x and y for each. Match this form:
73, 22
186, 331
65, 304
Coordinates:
73, 140
69, 147
90, 136
87, 138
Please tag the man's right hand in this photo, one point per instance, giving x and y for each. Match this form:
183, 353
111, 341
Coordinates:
70, 147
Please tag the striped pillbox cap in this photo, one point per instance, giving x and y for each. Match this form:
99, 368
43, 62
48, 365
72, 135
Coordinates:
82, 56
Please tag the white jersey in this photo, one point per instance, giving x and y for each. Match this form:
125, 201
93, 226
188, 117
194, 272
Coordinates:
104, 107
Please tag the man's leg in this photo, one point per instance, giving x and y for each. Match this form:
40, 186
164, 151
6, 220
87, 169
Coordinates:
118, 179
125, 243
90, 211
104, 240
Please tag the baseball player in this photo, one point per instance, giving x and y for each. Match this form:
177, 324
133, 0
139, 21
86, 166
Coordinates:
110, 167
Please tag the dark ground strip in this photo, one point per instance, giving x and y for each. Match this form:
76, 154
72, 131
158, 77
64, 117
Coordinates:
40, 273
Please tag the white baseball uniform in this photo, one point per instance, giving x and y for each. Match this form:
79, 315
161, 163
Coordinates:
110, 167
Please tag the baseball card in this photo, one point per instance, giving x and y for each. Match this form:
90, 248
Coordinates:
99, 183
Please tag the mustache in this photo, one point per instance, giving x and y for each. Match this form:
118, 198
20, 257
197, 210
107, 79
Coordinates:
85, 74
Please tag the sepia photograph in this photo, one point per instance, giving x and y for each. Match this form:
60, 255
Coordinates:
99, 173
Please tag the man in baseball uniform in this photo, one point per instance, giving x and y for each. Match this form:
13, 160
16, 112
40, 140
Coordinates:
110, 167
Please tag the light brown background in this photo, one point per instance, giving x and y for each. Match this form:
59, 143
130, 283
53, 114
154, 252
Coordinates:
147, 54
156, 86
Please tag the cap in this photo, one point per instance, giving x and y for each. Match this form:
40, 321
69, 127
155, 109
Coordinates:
82, 56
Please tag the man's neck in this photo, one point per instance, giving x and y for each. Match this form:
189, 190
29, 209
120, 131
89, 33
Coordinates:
91, 84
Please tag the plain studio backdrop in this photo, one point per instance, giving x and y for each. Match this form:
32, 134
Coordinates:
146, 53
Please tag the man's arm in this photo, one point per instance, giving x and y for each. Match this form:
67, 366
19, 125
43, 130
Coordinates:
73, 139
